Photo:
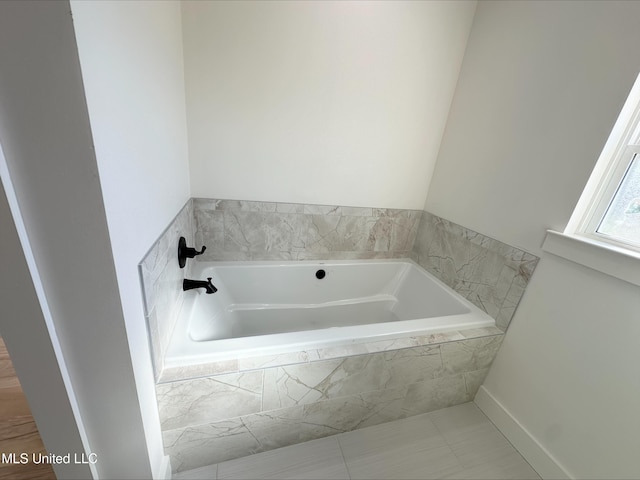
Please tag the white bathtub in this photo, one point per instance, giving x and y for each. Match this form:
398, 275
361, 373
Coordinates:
268, 308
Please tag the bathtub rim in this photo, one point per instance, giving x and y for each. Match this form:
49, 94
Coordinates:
348, 337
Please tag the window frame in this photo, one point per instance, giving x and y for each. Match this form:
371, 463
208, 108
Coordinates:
580, 242
594, 219
619, 151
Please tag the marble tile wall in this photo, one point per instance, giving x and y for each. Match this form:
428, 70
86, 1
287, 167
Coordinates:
489, 273
244, 230
161, 280
217, 418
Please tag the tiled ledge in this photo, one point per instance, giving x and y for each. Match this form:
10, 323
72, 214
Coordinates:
251, 230
175, 374
490, 274
161, 282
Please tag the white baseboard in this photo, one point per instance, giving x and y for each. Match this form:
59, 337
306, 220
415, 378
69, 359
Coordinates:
532, 451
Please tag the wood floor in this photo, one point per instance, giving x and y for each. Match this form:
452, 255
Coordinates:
18, 431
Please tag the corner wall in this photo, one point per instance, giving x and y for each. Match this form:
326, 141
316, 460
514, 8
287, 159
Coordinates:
161, 280
131, 58
331, 103
540, 88
27, 327
539, 91
46, 138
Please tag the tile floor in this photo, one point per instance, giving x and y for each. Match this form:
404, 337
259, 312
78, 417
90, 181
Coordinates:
456, 442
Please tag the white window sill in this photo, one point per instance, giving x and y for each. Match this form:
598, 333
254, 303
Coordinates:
611, 260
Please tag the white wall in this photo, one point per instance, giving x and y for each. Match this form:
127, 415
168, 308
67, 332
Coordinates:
568, 369
28, 330
540, 88
539, 91
131, 59
320, 102
46, 139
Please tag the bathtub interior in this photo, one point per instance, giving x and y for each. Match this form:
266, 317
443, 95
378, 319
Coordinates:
270, 298
203, 339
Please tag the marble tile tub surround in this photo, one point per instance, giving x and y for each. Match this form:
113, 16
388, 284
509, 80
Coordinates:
220, 417
251, 405
249, 230
490, 274
161, 279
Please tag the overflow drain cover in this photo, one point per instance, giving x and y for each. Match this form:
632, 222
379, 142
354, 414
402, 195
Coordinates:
320, 274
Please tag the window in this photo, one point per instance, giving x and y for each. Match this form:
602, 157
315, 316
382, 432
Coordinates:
604, 230
609, 209
621, 221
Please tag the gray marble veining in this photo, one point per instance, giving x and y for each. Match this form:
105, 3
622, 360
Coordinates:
161, 281
247, 230
204, 400
470, 355
489, 273
226, 416
224, 440
344, 414
196, 446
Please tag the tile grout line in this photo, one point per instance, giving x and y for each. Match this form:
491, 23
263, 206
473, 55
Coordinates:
346, 466
495, 428
437, 429
262, 393
444, 439
508, 441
